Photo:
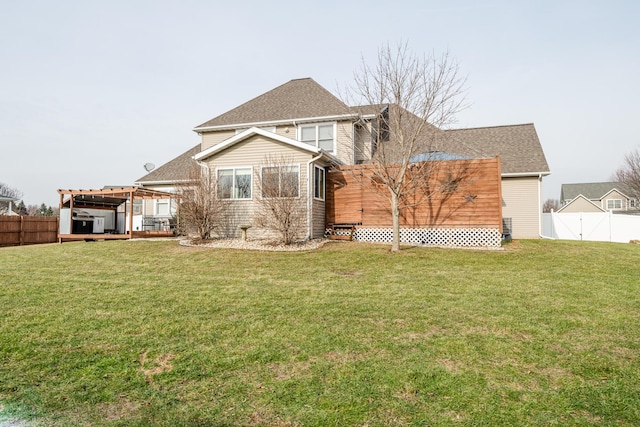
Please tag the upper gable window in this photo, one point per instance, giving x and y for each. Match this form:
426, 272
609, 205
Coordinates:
614, 204
319, 135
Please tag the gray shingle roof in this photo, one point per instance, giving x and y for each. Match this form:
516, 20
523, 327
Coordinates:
591, 190
177, 169
517, 146
299, 98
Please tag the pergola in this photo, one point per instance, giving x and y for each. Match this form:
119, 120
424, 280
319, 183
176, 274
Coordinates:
108, 199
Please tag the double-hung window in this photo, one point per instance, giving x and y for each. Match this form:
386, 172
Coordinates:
318, 182
280, 181
614, 204
234, 183
319, 135
163, 207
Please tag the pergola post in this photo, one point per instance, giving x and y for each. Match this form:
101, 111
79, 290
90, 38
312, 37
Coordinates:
70, 218
71, 213
130, 214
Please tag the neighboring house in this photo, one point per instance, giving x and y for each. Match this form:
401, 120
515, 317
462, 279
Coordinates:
302, 121
6, 205
597, 197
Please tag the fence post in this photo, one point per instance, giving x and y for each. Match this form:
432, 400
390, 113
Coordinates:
21, 230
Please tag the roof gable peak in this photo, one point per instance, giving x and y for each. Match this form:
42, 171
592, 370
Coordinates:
295, 99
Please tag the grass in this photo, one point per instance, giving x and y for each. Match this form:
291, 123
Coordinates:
149, 333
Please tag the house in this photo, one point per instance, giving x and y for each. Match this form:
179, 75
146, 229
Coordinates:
597, 197
310, 127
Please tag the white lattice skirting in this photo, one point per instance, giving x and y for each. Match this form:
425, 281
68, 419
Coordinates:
451, 237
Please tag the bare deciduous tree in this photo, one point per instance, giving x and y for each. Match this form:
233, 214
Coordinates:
199, 207
415, 98
629, 173
281, 203
5, 190
551, 205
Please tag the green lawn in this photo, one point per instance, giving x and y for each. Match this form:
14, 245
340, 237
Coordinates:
151, 333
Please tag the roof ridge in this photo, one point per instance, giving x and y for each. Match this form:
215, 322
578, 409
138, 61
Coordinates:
303, 97
593, 183
492, 127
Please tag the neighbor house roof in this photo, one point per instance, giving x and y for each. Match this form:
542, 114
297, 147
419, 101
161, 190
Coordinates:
584, 202
517, 146
296, 99
174, 170
590, 190
4, 198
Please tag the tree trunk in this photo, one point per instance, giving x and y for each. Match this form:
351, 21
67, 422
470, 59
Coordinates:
395, 216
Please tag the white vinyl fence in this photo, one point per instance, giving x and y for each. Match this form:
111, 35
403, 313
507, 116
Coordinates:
594, 226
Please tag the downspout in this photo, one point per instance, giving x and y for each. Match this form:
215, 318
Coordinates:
310, 196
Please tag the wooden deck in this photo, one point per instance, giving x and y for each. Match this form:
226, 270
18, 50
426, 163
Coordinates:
108, 236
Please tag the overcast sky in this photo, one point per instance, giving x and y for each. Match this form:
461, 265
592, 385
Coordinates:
90, 91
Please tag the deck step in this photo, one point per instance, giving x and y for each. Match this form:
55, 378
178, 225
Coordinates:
341, 231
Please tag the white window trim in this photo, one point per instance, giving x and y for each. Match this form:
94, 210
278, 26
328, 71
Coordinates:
614, 208
285, 166
234, 168
316, 125
324, 180
156, 202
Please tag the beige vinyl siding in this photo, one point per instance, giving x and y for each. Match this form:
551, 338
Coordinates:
148, 205
520, 202
209, 139
288, 131
580, 204
254, 152
344, 142
615, 195
362, 142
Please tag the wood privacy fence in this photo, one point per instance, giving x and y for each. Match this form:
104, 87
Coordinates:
28, 230
461, 193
